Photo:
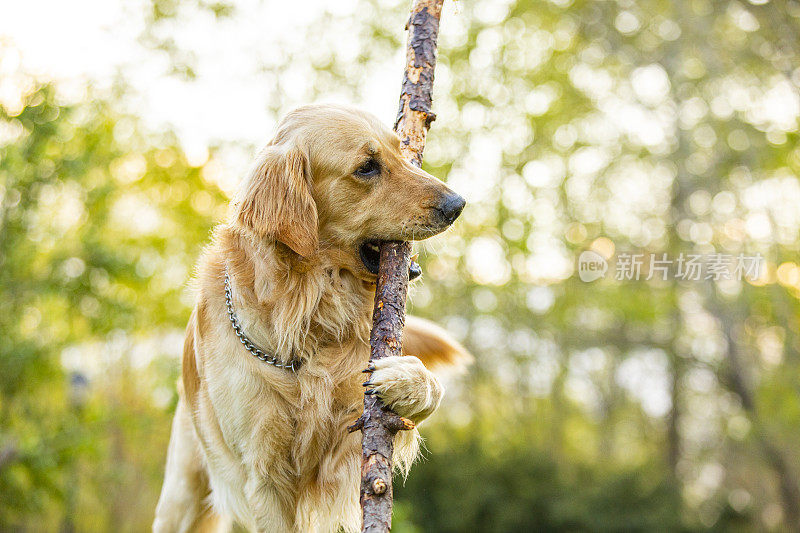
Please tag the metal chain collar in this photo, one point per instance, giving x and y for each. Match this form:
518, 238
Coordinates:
293, 365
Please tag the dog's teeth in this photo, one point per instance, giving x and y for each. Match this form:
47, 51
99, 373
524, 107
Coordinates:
374, 247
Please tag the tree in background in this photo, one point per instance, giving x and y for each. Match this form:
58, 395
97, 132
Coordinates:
99, 229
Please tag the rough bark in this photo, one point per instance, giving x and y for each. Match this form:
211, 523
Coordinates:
379, 425
414, 116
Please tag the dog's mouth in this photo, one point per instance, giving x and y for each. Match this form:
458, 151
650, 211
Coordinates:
370, 253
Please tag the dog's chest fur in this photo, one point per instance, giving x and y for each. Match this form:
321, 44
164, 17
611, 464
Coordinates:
271, 437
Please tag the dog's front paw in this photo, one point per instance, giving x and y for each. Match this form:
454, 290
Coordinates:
405, 386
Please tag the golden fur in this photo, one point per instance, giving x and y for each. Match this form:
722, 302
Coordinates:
262, 445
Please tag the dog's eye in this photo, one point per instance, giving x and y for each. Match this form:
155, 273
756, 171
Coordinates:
369, 169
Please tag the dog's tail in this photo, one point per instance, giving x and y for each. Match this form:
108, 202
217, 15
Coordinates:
433, 345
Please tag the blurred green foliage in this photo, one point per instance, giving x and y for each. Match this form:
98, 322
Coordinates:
84, 278
475, 483
652, 127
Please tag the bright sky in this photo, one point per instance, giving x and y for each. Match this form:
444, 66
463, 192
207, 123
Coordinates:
96, 40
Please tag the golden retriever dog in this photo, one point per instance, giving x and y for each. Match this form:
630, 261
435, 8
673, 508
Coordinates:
279, 337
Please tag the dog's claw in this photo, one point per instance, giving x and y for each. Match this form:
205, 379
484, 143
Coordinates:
369, 391
366, 383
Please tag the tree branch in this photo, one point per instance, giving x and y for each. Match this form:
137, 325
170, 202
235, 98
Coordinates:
377, 424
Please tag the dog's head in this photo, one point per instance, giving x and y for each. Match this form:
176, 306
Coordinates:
333, 180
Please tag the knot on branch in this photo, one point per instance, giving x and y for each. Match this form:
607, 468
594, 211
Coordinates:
395, 423
390, 420
429, 117
378, 486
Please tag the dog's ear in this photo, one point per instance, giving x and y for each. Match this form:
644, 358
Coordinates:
276, 200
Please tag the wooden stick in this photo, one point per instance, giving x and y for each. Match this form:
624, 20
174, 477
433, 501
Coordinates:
379, 425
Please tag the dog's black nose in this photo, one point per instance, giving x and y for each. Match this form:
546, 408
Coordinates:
451, 207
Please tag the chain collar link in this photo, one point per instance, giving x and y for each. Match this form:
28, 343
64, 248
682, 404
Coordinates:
293, 365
